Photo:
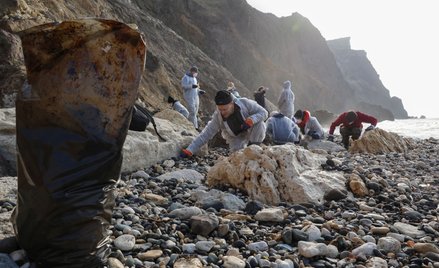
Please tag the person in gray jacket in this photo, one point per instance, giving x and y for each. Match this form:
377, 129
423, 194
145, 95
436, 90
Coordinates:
282, 129
191, 89
286, 100
309, 125
241, 122
176, 105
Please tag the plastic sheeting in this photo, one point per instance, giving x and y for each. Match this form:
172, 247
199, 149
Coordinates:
72, 120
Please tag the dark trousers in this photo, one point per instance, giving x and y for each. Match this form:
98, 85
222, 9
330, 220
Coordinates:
347, 132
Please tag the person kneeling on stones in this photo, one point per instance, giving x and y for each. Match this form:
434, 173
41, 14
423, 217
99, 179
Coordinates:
309, 125
241, 122
282, 129
351, 125
176, 105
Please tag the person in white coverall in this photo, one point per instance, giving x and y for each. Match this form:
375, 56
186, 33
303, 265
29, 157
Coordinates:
241, 122
191, 89
286, 100
176, 105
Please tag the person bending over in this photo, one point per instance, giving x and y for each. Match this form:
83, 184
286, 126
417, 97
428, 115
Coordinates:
351, 126
241, 122
309, 125
282, 129
176, 105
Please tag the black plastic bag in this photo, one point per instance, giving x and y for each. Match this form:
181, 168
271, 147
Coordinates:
72, 121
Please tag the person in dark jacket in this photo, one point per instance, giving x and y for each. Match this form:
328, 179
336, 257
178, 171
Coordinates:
260, 96
351, 126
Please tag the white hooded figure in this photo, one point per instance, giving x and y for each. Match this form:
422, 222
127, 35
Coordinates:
286, 100
241, 122
191, 89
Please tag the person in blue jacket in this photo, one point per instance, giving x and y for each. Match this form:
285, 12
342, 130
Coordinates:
241, 122
191, 89
282, 129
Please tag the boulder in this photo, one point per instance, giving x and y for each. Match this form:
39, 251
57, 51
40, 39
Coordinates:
379, 141
12, 71
283, 173
8, 160
143, 149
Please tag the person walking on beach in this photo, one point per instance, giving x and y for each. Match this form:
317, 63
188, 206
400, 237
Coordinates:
351, 126
286, 100
260, 96
309, 125
176, 105
282, 129
191, 89
241, 122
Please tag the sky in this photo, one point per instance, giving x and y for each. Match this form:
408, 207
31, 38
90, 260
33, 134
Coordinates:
400, 37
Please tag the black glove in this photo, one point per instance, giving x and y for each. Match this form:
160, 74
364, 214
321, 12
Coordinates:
201, 92
194, 86
331, 138
371, 127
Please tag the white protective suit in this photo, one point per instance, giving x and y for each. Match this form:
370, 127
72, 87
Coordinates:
191, 97
180, 108
256, 134
286, 100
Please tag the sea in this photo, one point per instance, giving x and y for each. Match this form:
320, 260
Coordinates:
413, 128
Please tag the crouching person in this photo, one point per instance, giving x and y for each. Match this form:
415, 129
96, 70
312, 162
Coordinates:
282, 129
351, 126
241, 122
309, 125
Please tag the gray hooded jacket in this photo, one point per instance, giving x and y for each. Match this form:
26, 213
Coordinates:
282, 129
249, 109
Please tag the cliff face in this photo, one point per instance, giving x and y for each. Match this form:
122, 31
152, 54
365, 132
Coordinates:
260, 49
363, 78
226, 39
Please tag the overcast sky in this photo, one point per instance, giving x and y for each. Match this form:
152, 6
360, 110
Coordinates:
400, 37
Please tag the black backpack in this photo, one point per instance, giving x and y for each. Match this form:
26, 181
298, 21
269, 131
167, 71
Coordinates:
140, 120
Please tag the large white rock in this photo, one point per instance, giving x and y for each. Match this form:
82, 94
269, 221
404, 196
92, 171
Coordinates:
143, 149
277, 173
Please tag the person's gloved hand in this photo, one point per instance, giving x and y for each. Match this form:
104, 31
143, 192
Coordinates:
201, 92
331, 138
185, 153
314, 135
248, 123
194, 86
371, 127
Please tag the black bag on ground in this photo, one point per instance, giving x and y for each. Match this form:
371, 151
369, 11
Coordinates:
139, 120
72, 121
